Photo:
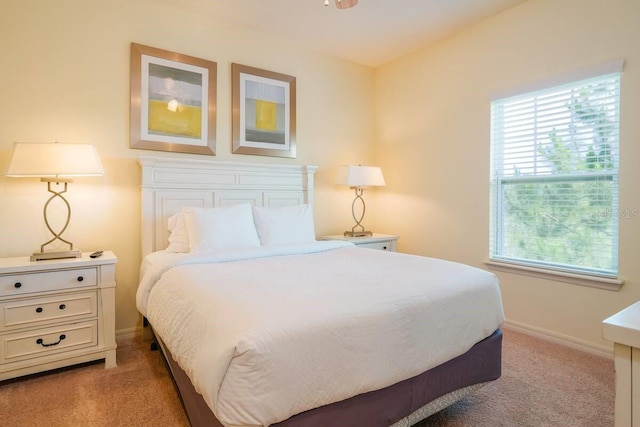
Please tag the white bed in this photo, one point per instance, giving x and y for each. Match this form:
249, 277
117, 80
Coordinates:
270, 333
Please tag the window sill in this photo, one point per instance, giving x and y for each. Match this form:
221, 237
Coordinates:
608, 283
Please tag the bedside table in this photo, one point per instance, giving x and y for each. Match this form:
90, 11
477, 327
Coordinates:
56, 313
383, 242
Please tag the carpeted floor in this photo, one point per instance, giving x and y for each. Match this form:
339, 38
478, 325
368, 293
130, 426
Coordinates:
138, 392
542, 384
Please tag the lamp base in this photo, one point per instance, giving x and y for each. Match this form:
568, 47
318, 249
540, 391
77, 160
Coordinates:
357, 233
42, 256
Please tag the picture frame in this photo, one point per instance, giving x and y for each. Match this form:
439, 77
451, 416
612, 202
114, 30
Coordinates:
173, 101
263, 112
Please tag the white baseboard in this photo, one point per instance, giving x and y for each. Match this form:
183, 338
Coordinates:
128, 333
557, 338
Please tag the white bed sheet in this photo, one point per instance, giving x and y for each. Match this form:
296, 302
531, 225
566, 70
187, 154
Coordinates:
270, 332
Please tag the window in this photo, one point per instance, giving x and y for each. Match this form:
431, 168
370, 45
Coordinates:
554, 177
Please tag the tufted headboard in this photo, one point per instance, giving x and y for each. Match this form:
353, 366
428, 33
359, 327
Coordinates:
169, 183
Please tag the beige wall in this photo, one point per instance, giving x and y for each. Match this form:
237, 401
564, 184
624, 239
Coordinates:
65, 77
433, 143
65, 74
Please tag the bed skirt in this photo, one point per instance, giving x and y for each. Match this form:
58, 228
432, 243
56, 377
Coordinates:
384, 407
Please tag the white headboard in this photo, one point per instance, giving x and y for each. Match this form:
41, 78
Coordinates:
170, 183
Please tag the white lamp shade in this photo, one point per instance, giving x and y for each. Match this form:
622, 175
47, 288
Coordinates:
360, 176
53, 159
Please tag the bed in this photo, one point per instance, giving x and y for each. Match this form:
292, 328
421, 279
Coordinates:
263, 325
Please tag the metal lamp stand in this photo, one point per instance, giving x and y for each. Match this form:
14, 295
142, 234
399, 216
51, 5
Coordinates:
71, 253
358, 229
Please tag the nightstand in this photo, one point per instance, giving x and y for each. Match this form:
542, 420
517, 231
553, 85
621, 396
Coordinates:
383, 242
56, 313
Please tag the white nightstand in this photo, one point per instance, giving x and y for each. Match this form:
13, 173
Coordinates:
56, 313
383, 242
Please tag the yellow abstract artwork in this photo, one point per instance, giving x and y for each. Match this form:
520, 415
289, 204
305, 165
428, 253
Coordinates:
266, 115
184, 121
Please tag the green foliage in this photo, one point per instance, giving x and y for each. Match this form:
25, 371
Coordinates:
561, 222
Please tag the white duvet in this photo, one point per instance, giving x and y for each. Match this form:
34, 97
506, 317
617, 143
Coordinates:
269, 332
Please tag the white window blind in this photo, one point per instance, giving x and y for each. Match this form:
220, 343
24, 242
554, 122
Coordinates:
554, 177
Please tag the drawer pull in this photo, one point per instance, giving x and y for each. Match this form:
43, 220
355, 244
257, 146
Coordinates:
384, 247
39, 310
17, 285
41, 341
80, 278
62, 307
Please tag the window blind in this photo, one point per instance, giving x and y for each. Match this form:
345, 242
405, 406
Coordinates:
554, 176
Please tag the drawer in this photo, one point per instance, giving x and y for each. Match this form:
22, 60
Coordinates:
26, 283
383, 246
36, 311
43, 342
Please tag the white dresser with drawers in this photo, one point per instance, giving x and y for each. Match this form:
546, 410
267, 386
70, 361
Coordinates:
56, 313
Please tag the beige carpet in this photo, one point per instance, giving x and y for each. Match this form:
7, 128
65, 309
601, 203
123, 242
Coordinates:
138, 392
542, 384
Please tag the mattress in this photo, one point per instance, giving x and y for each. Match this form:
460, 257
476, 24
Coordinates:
270, 332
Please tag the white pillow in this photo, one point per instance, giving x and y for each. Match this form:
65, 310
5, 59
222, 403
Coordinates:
229, 227
284, 225
178, 239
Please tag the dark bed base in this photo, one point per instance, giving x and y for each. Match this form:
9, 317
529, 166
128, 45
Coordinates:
482, 363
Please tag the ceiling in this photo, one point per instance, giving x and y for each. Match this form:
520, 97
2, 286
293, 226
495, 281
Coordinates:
372, 33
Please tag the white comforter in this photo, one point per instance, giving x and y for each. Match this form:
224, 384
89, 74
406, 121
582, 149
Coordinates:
271, 332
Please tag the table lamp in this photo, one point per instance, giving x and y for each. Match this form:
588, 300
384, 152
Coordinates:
54, 163
359, 178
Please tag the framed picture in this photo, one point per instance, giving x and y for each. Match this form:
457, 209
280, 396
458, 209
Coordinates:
264, 112
173, 101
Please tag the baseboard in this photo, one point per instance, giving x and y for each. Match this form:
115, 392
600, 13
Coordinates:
557, 338
128, 333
